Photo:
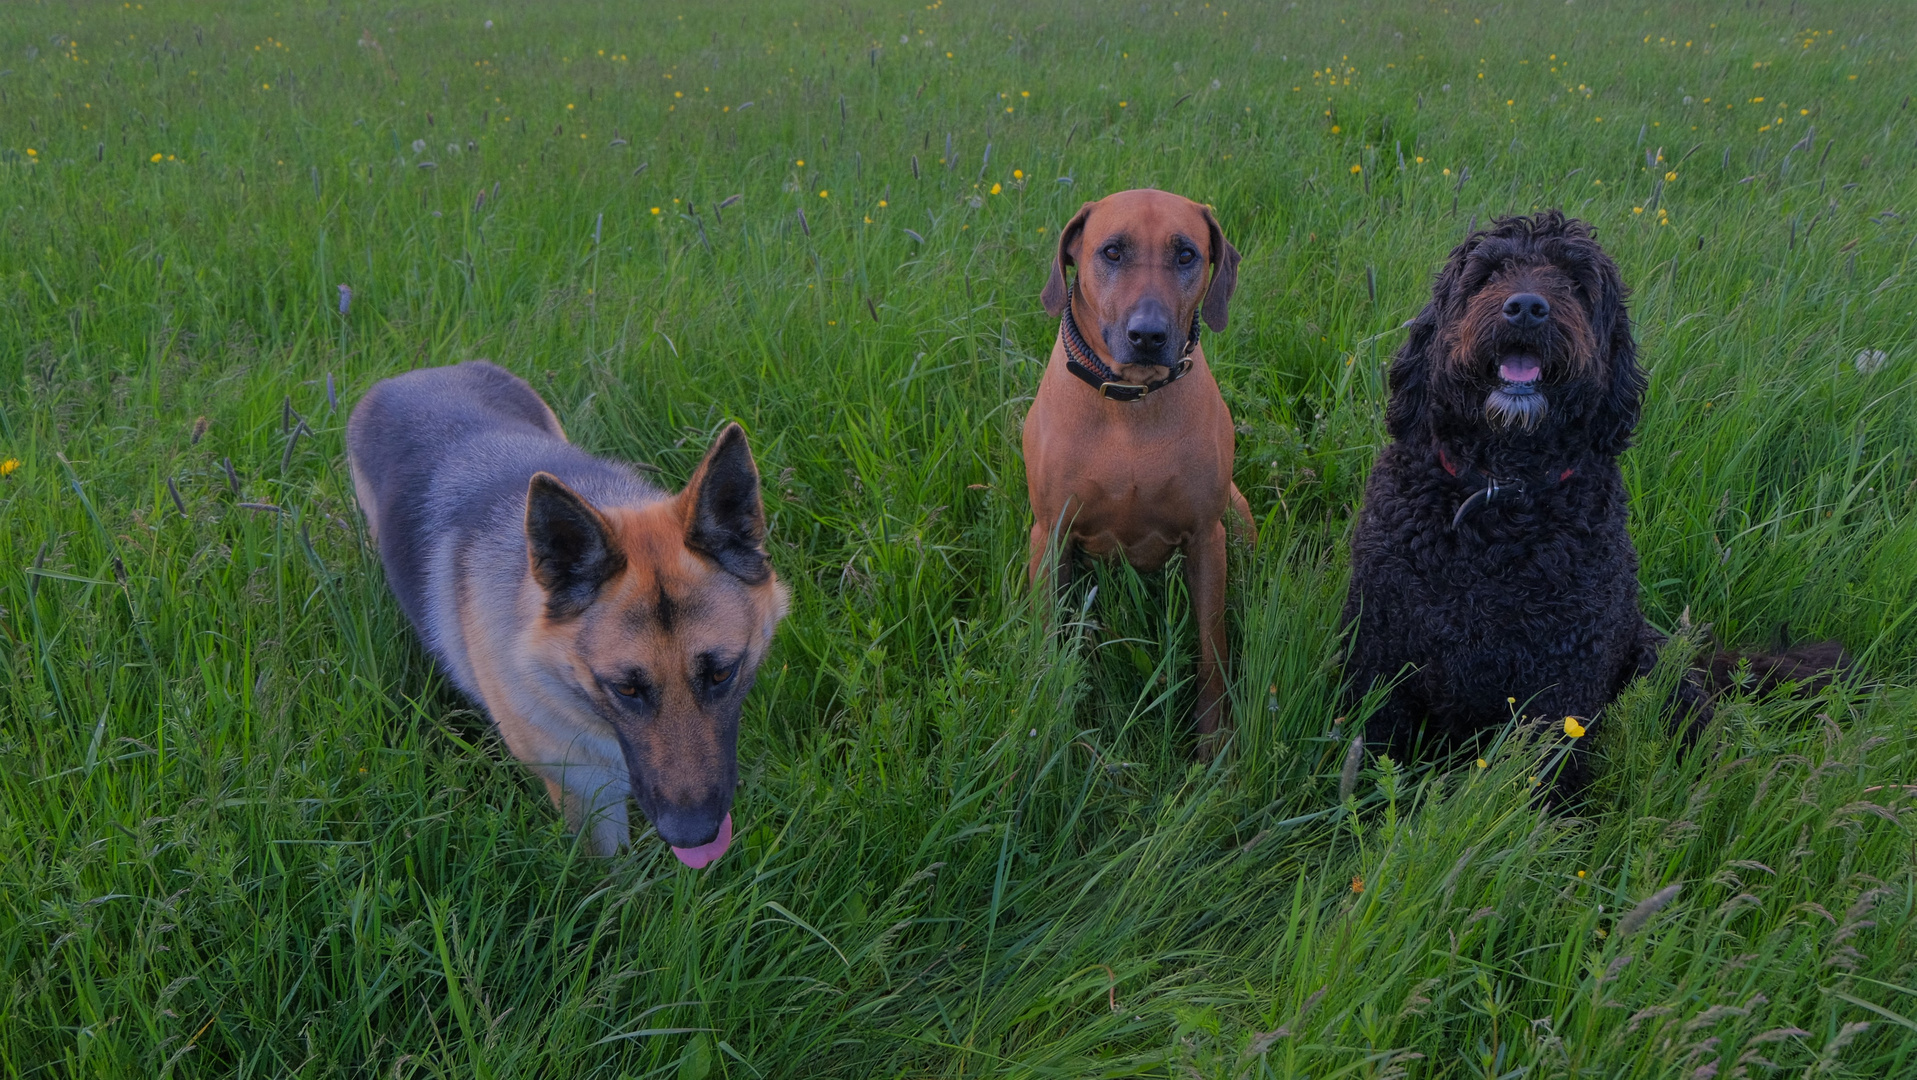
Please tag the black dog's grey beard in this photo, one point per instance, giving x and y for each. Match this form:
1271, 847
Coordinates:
1522, 410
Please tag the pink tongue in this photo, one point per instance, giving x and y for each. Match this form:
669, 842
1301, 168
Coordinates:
1519, 370
698, 857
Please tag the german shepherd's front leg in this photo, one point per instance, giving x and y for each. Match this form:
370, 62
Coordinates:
594, 804
1205, 581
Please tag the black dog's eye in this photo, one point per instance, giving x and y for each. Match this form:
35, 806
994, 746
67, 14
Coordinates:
1186, 256
1111, 252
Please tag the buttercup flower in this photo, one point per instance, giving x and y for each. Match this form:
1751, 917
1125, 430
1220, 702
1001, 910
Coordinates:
7, 466
1573, 728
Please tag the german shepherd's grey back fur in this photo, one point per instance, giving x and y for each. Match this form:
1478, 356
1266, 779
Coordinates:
440, 459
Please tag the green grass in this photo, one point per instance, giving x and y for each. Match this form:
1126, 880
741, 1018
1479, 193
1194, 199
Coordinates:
247, 831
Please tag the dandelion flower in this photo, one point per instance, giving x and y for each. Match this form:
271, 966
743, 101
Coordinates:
1419, 161
1573, 728
1356, 169
824, 194
1335, 129
1580, 873
800, 163
1018, 174
996, 189
1670, 176
8, 466
1024, 93
1637, 209
1122, 104
157, 157
655, 210
31, 152
868, 219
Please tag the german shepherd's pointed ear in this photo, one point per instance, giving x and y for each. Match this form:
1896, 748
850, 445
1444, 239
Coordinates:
725, 519
1224, 274
1056, 291
570, 546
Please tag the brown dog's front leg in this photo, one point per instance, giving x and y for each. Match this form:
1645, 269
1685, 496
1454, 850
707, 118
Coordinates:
1041, 546
1205, 581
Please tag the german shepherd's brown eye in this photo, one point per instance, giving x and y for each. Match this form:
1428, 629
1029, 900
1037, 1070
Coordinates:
721, 676
1110, 252
626, 689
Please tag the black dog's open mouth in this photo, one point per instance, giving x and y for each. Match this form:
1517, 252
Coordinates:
1518, 401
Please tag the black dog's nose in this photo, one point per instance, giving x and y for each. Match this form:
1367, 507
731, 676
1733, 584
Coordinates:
1148, 329
1526, 310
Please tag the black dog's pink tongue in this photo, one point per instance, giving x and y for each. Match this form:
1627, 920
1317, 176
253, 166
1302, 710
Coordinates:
1519, 369
698, 857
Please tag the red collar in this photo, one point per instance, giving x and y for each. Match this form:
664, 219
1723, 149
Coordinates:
1493, 487
1453, 469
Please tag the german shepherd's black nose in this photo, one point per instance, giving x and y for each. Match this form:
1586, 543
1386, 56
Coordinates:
689, 826
1526, 310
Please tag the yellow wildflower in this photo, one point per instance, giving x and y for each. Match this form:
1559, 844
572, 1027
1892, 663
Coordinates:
655, 210
7, 466
1573, 728
1483, 764
1357, 884
156, 157
996, 189
1670, 176
1018, 174
824, 194
1356, 169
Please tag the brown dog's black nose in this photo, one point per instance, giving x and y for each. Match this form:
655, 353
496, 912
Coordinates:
1148, 329
1525, 310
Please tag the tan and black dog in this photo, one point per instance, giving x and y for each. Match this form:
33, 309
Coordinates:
610, 629
1128, 445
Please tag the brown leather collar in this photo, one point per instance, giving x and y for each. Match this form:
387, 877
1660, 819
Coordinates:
1083, 363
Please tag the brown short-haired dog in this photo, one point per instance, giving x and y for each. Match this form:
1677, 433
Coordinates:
1128, 445
610, 629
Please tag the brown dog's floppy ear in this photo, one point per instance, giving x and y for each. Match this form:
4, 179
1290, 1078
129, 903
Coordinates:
1056, 292
1224, 274
725, 520
569, 545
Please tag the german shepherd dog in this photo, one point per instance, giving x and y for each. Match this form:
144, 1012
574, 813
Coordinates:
610, 629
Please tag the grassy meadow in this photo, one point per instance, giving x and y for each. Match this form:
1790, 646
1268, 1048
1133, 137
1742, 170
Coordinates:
246, 830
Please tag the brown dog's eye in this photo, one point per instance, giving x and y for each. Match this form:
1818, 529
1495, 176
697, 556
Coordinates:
1111, 252
1186, 256
626, 689
722, 676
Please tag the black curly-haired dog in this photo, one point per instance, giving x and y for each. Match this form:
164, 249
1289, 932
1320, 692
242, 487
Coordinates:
1492, 570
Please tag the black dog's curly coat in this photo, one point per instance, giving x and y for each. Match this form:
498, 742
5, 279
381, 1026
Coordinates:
1492, 571
1492, 561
